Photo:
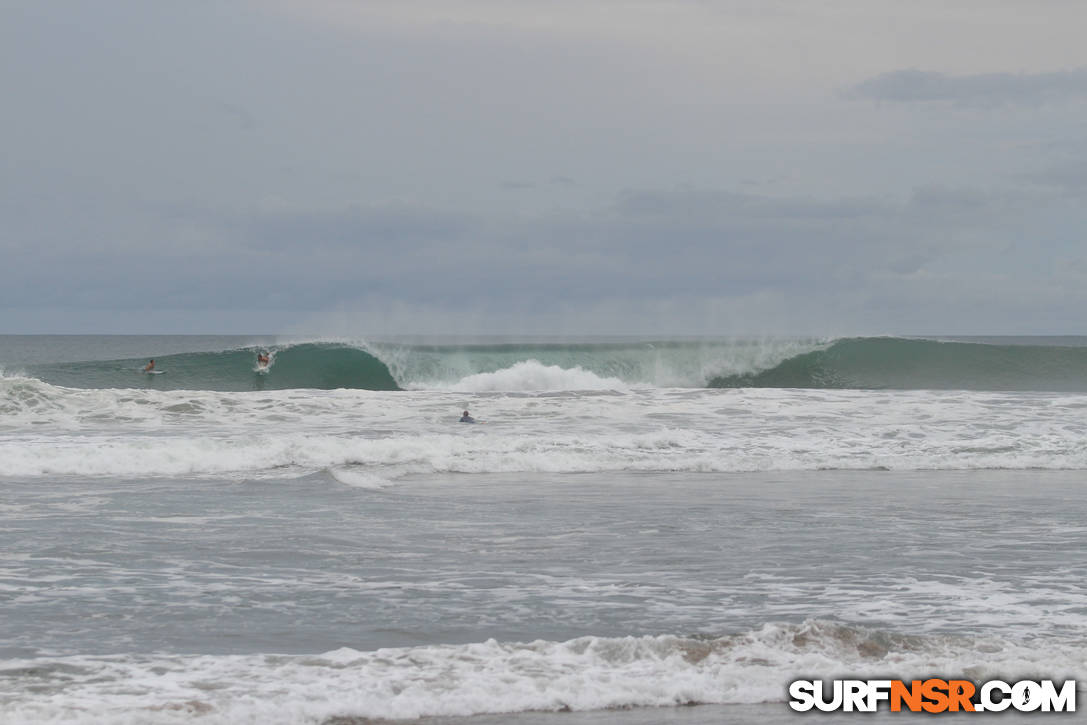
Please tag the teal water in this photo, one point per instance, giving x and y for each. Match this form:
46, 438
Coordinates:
863, 363
909, 364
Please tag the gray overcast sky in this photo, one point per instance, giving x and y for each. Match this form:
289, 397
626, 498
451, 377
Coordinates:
716, 167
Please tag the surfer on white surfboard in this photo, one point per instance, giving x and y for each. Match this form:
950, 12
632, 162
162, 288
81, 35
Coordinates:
149, 366
467, 418
262, 359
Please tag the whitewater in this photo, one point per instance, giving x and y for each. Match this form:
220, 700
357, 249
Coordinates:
631, 525
869, 363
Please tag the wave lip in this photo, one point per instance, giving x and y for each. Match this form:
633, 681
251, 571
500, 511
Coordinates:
588, 673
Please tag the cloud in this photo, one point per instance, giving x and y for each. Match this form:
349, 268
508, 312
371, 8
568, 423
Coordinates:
710, 203
914, 86
469, 158
245, 120
1070, 177
695, 256
376, 225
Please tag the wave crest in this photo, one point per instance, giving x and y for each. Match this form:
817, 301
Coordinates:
583, 674
871, 363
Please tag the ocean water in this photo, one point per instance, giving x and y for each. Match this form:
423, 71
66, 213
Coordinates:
633, 525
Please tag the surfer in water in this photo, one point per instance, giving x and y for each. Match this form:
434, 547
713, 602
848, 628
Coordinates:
262, 359
467, 418
149, 366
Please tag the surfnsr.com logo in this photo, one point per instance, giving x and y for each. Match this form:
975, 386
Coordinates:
933, 695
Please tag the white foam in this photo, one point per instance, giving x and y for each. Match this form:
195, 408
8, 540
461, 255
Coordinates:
50, 430
588, 673
359, 479
533, 376
573, 367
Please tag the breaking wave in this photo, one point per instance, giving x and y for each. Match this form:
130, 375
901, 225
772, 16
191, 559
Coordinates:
908, 364
317, 365
871, 363
588, 673
374, 436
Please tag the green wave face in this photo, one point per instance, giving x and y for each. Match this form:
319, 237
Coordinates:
393, 366
858, 363
904, 364
323, 366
